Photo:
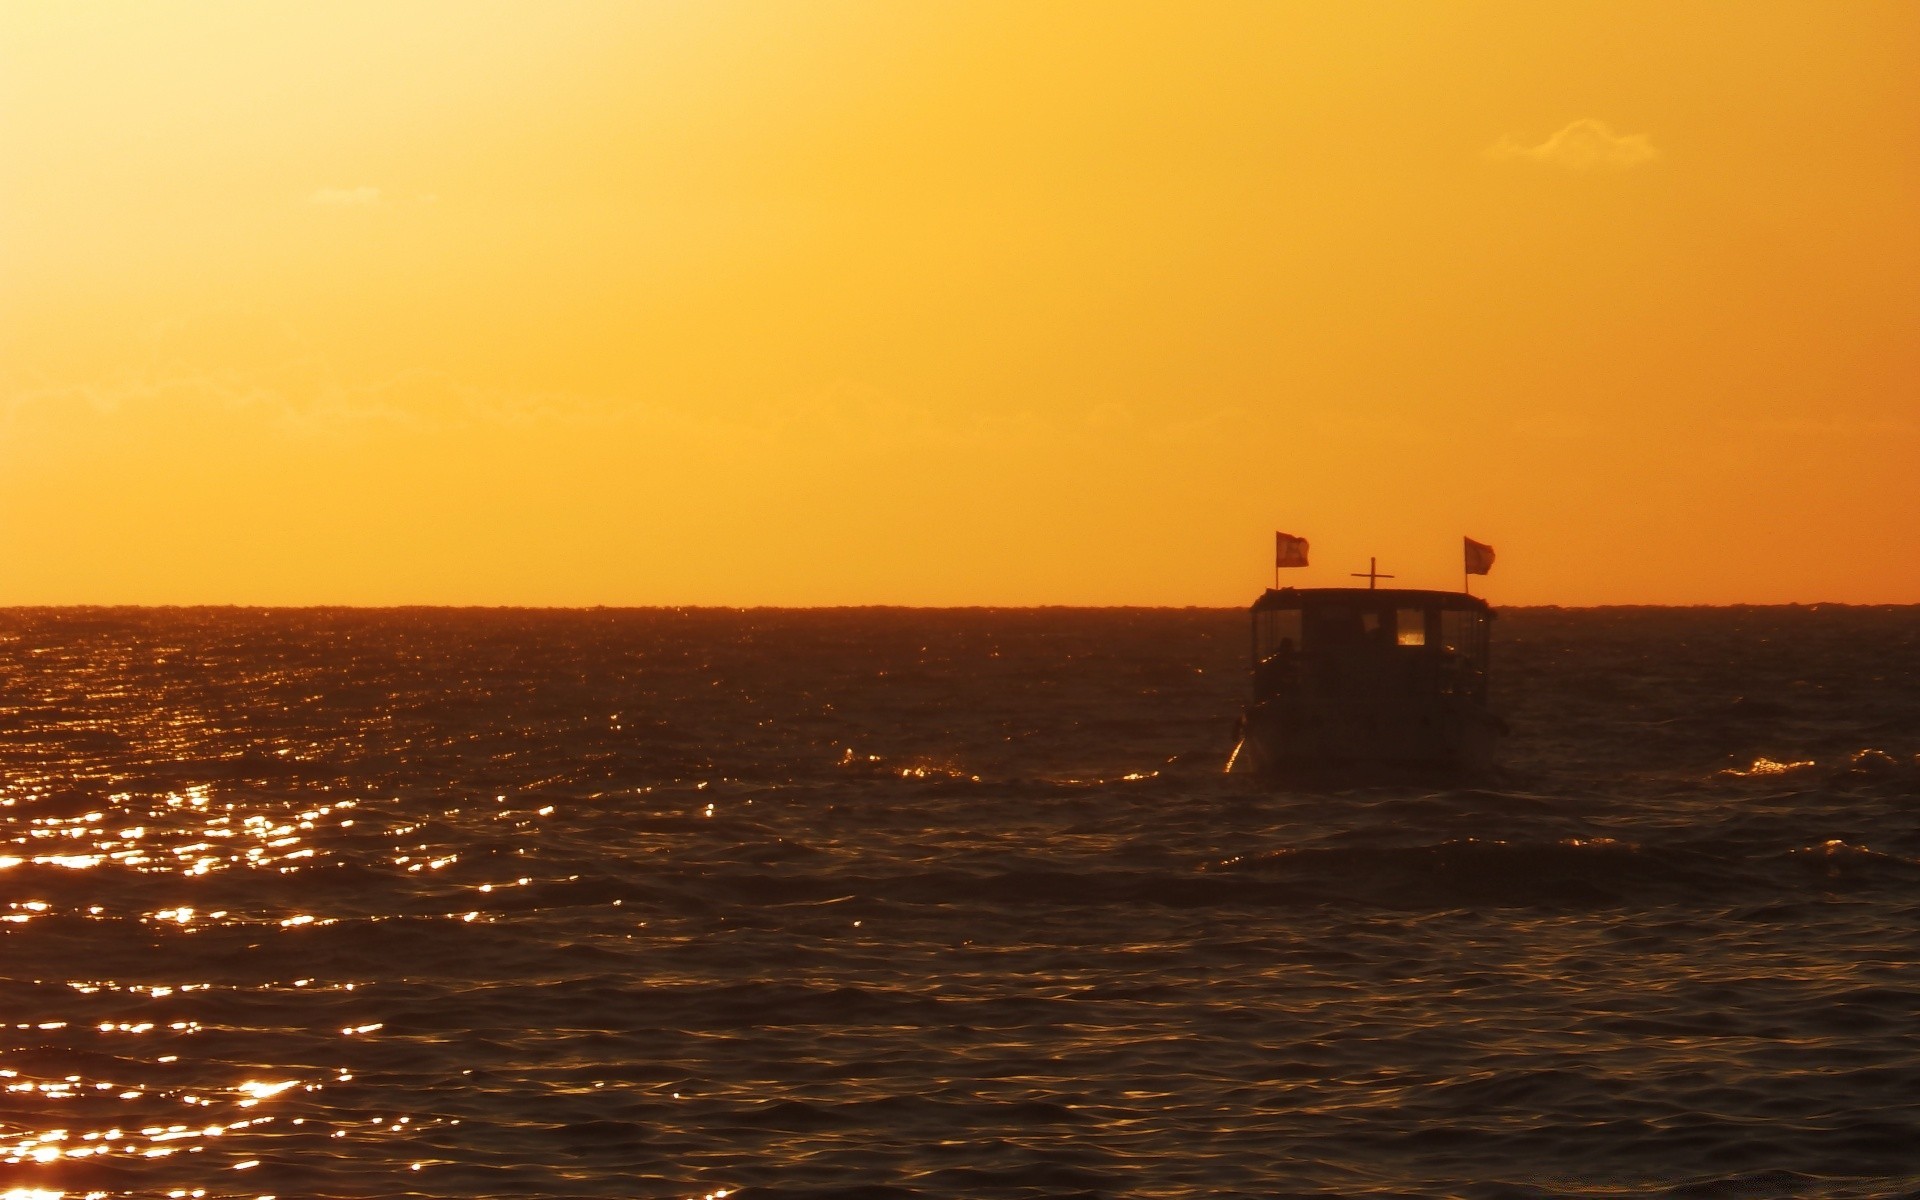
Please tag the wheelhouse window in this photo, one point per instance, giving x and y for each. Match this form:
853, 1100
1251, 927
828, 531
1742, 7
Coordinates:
1410, 626
1464, 631
1277, 629
1332, 626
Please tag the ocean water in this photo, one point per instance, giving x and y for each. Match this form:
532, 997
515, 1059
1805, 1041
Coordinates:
911, 904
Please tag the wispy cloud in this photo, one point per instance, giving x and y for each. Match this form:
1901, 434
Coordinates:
353, 197
304, 398
1585, 145
1826, 427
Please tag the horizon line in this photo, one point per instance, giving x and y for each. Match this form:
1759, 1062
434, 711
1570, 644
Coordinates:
236, 606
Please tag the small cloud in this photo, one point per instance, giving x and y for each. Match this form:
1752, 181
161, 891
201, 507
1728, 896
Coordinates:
1554, 427
355, 197
1585, 145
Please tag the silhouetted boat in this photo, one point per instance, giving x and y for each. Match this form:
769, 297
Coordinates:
1358, 681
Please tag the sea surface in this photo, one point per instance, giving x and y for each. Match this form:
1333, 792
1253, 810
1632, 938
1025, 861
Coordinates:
908, 903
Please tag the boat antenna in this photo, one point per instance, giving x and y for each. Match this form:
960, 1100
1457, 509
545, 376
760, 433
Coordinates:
1372, 574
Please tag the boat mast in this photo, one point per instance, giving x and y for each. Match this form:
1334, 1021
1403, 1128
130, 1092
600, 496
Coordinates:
1372, 574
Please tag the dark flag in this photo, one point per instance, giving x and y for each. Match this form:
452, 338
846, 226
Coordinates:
1289, 551
1479, 557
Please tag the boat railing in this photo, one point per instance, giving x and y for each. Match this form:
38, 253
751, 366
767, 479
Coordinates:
1367, 670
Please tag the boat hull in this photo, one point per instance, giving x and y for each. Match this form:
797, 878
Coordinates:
1436, 735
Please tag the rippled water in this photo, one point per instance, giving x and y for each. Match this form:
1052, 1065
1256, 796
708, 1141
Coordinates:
929, 904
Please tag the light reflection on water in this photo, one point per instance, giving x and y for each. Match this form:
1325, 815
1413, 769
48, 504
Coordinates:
129, 1108
187, 833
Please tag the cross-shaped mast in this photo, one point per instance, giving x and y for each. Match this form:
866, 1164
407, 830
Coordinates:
1372, 574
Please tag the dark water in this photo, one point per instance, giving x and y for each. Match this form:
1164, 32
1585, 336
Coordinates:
943, 904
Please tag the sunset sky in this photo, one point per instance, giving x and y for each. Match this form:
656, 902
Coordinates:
969, 303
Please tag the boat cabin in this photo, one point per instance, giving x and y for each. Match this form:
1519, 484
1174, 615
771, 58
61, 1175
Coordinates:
1354, 642
1439, 630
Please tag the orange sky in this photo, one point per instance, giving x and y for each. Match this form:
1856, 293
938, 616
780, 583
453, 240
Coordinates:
968, 303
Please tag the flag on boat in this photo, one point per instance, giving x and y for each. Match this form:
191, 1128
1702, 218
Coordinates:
1289, 551
1479, 557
